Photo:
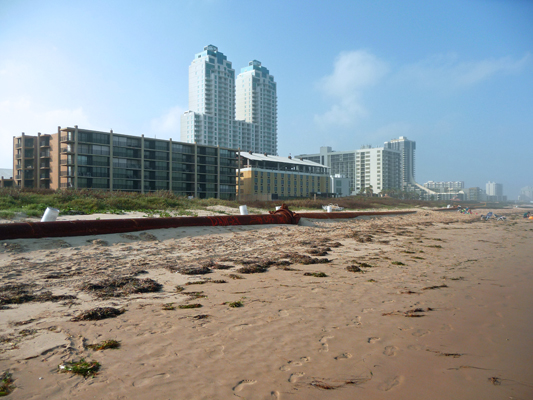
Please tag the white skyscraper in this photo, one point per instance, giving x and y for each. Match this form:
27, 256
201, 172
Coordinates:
211, 116
211, 101
256, 102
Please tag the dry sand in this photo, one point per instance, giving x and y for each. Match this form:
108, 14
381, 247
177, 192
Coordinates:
344, 336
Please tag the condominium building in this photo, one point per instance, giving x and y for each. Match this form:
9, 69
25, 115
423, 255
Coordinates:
281, 177
32, 157
377, 168
86, 159
211, 118
407, 161
256, 102
340, 162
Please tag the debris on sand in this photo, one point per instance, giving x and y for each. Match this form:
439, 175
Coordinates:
435, 287
98, 313
414, 313
121, 286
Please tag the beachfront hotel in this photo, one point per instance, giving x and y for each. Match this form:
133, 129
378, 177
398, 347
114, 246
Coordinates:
224, 111
267, 177
377, 168
87, 159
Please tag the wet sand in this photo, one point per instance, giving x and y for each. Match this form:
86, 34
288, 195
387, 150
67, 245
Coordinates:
440, 309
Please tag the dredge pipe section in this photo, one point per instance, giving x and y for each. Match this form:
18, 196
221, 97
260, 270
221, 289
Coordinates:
34, 230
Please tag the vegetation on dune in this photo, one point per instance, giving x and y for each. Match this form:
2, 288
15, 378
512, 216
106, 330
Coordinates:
33, 202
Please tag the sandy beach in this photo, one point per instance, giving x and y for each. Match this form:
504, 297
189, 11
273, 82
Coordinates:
432, 305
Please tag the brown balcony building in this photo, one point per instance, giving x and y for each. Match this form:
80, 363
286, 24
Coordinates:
86, 159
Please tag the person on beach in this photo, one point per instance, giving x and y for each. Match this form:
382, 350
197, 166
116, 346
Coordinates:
527, 215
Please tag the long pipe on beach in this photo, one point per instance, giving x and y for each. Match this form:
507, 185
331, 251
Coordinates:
35, 230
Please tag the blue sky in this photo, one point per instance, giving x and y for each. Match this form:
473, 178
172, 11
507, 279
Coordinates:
455, 76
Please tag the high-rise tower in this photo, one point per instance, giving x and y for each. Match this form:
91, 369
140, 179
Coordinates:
211, 100
211, 116
256, 102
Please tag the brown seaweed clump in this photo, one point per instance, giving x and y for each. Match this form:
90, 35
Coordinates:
122, 286
296, 258
24, 293
252, 269
98, 313
353, 268
194, 270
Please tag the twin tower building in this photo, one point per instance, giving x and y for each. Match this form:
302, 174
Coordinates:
238, 113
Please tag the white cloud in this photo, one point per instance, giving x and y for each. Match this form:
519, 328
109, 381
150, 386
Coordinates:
352, 72
446, 71
169, 122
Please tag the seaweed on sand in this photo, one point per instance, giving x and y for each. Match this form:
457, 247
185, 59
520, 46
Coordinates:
194, 270
316, 274
81, 367
23, 293
104, 345
98, 313
252, 269
6, 383
435, 287
121, 286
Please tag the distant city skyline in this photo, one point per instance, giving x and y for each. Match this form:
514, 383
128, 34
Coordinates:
455, 77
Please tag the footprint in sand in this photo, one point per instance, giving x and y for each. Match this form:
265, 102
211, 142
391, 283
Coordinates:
284, 368
390, 351
151, 380
373, 339
390, 383
324, 343
343, 356
294, 377
415, 347
283, 313
420, 332
305, 359
242, 384
275, 394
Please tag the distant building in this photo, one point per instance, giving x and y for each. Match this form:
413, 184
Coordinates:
377, 168
272, 177
211, 119
475, 194
6, 178
86, 159
526, 194
407, 160
340, 162
444, 187
495, 192
340, 185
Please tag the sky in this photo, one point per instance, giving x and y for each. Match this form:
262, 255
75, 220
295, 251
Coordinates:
454, 76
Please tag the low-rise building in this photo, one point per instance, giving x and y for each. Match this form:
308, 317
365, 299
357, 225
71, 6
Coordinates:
273, 177
87, 159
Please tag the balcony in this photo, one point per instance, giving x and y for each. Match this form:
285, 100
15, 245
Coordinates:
44, 177
67, 138
18, 156
44, 167
67, 162
18, 146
